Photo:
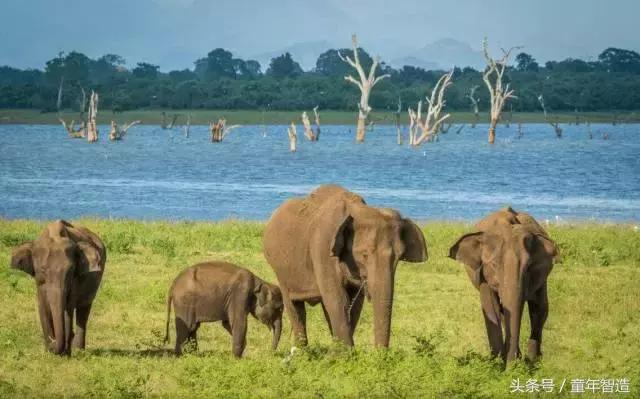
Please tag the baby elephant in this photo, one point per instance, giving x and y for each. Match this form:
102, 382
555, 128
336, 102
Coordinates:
67, 262
220, 291
508, 260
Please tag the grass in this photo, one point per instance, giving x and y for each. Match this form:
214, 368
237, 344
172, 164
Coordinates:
438, 345
253, 117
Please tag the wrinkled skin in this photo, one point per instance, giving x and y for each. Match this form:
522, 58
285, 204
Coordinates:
508, 260
333, 249
220, 291
67, 262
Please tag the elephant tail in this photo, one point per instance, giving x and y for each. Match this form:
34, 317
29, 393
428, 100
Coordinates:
169, 301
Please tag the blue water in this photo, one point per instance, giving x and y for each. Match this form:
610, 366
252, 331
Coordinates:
159, 174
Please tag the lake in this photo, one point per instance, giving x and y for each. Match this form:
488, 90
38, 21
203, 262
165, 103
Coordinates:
160, 174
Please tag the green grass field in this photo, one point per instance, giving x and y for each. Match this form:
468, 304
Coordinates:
250, 117
438, 343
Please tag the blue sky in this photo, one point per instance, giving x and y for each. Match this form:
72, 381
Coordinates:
173, 33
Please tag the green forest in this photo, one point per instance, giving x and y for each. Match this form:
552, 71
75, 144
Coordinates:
221, 81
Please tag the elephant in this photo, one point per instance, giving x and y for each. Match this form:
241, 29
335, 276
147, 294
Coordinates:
332, 248
67, 262
508, 259
221, 291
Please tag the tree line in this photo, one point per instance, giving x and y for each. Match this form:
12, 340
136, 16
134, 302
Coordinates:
221, 81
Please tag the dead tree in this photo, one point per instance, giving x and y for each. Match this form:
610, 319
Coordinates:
428, 129
70, 128
308, 131
59, 100
187, 127
397, 115
474, 104
117, 133
220, 130
498, 92
92, 127
163, 123
555, 124
317, 122
460, 129
365, 84
293, 137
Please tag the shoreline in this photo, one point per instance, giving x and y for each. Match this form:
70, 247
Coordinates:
327, 117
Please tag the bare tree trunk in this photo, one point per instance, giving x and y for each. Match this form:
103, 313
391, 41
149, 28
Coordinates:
92, 127
398, 130
317, 121
308, 132
361, 128
293, 137
188, 125
492, 130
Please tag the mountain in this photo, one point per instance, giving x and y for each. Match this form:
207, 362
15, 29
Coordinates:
304, 53
442, 54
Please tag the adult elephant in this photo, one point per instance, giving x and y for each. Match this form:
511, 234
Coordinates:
67, 262
332, 248
508, 259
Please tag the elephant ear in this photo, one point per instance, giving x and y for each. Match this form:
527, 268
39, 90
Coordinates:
468, 250
415, 246
335, 223
544, 246
260, 290
89, 258
22, 258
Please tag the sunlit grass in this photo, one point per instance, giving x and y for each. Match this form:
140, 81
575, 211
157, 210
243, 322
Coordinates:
438, 344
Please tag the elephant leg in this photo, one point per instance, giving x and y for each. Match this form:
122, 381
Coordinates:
494, 333
239, 335
356, 308
193, 336
82, 317
298, 316
68, 328
491, 311
182, 334
538, 312
327, 318
227, 326
46, 321
336, 303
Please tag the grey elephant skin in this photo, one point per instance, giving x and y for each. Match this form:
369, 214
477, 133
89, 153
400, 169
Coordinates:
508, 259
67, 262
221, 291
332, 248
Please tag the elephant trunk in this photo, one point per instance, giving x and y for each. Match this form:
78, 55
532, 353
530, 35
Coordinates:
277, 330
513, 303
380, 286
57, 304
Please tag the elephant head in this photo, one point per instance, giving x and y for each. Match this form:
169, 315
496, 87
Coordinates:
511, 261
365, 244
54, 262
268, 308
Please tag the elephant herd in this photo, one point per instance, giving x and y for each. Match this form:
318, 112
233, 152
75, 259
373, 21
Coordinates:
329, 248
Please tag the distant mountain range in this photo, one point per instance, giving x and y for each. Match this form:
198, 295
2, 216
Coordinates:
441, 54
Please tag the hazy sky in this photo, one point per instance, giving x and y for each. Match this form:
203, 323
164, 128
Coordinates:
173, 33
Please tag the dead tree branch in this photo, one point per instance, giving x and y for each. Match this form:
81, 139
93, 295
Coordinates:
365, 83
293, 137
429, 128
499, 93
